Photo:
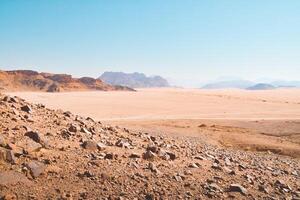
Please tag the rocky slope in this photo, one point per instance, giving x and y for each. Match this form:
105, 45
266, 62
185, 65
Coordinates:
27, 80
133, 80
52, 154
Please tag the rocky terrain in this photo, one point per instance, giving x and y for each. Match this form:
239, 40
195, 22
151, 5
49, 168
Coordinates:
27, 80
133, 80
55, 154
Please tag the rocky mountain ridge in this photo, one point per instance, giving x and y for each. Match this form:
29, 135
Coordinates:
133, 80
28, 80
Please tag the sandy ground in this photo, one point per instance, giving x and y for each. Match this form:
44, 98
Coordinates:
176, 104
251, 120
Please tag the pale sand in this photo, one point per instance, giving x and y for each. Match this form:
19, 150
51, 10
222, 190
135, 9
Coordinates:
251, 120
172, 103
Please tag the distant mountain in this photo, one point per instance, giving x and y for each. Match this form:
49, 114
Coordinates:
27, 80
240, 84
261, 86
133, 80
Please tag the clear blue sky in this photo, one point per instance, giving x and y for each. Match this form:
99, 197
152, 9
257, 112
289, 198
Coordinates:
184, 40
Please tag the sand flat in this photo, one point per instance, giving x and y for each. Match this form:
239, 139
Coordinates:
266, 120
170, 103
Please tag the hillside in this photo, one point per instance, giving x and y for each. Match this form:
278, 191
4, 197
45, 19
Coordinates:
52, 154
261, 86
27, 80
133, 80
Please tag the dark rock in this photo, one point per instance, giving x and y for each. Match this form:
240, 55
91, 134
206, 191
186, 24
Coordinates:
26, 108
67, 114
123, 143
237, 188
134, 155
172, 155
153, 148
7, 155
149, 155
90, 145
110, 156
35, 136
73, 128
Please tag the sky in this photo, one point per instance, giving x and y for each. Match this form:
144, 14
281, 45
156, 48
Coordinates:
187, 41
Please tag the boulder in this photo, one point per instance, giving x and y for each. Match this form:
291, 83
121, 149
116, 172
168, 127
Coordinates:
90, 145
26, 108
35, 136
7, 155
36, 168
237, 188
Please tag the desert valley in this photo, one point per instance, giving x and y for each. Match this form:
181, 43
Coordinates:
166, 143
149, 100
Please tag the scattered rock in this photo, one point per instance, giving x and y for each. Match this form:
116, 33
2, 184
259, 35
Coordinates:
149, 155
36, 168
26, 108
237, 188
35, 136
134, 155
7, 155
90, 145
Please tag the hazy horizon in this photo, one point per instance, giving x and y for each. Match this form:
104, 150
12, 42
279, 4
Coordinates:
187, 42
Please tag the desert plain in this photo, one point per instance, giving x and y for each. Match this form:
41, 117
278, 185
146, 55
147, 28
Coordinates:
266, 120
167, 143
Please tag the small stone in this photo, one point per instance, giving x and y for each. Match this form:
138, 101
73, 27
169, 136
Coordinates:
26, 108
172, 155
153, 168
153, 148
227, 161
35, 136
178, 178
123, 143
84, 130
67, 114
36, 168
90, 145
237, 188
7, 155
134, 155
73, 128
149, 155
194, 165
101, 146
109, 156
202, 126
216, 166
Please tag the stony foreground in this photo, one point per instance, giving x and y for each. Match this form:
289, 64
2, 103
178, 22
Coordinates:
52, 154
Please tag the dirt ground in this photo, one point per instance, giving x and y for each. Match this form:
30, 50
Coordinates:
250, 120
